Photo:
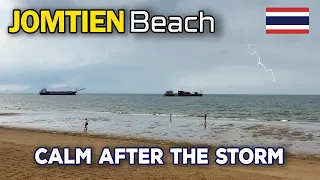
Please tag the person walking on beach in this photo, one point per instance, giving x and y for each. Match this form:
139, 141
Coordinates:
86, 126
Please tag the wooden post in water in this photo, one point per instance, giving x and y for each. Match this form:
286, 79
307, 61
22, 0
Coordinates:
170, 117
205, 120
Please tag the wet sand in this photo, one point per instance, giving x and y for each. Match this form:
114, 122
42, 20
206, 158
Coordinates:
17, 148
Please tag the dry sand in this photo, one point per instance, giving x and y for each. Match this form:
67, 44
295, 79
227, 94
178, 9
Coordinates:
17, 148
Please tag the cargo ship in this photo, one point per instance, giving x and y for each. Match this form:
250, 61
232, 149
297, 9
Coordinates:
182, 93
44, 91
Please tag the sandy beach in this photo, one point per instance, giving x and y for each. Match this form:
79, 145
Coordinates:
17, 147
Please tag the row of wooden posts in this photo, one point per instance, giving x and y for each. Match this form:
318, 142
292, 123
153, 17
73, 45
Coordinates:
205, 119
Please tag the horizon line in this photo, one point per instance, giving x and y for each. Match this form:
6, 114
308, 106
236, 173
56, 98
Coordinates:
132, 93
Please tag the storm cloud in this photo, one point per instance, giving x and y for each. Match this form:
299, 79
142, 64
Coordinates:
154, 64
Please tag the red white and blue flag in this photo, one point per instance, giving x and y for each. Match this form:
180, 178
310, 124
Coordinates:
284, 20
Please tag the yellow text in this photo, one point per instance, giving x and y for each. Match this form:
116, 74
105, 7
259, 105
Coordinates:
68, 21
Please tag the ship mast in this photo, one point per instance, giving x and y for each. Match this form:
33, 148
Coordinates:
77, 90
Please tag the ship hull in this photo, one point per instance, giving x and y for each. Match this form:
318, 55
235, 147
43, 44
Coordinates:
58, 93
191, 95
184, 95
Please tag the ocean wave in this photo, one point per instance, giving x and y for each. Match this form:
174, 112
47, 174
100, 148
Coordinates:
217, 116
284, 120
9, 114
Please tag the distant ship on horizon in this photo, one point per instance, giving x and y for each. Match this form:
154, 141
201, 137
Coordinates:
182, 93
44, 91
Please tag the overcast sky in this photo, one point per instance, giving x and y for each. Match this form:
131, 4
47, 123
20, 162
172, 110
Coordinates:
216, 63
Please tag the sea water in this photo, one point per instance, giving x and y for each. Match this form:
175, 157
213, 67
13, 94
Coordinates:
232, 120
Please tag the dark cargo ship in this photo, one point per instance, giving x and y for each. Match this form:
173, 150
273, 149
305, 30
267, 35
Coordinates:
45, 92
182, 93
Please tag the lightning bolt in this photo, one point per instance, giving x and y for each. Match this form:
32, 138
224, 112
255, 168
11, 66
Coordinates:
259, 60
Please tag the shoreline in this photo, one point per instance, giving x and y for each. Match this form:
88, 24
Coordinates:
143, 139
105, 136
135, 139
297, 138
17, 146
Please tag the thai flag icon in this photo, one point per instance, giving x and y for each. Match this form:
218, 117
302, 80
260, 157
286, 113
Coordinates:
287, 20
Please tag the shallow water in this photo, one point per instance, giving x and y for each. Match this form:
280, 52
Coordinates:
237, 120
